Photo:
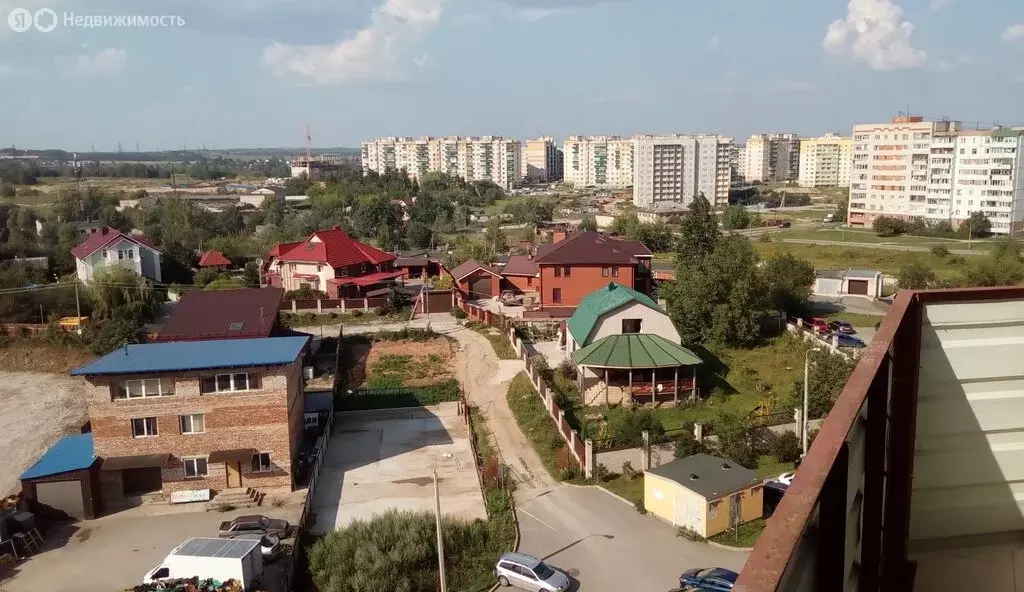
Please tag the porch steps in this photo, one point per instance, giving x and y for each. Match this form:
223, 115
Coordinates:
238, 498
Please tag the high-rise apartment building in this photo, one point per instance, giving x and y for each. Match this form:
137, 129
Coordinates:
598, 161
677, 168
487, 158
541, 161
826, 161
772, 157
936, 171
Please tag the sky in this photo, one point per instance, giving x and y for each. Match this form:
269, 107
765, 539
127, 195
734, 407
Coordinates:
253, 73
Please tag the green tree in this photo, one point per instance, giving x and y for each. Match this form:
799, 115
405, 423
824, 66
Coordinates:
588, 223
205, 276
117, 292
466, 248
789, 282
735, 438
687, 445
785, 447
736, 217
225, 283
494, 237
914, 276
386, 239
419, 235
842, 206
828, 375
885, 226
370, 214
978, 225
531, 210
273, 210
699, 233
251, 275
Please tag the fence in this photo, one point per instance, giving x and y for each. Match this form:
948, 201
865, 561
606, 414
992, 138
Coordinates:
579, 449
22, 329
333, 304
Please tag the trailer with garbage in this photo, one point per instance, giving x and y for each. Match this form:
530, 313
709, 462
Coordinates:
216, 559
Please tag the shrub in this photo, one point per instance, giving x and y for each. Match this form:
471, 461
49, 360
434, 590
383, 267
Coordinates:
886, 227
628, 472
785, 447
686, 446
356, 313
600, 472
690, 534
458, 313
640, 508
380, 311
305, 294
626, 426
940, 251
398, 396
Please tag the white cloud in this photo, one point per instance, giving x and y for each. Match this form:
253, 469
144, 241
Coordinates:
105, 63
377, 51
714, 42
939, 4
1014, 34
874, 32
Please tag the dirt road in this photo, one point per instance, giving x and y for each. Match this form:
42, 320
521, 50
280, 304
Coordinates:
36, 409
485, 380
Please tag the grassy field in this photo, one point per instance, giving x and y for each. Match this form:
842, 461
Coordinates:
744, 536
769, 467
839, 234
632, 490
886, 261
855, 319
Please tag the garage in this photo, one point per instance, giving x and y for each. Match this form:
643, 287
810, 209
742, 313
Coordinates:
65, 479
481, 287
143, 480
858, 287
476, 281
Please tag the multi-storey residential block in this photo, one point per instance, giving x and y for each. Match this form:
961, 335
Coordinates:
487, 158
772, 157
541, 161
598, 161
936, 171
826, 161
679, 168
196, 415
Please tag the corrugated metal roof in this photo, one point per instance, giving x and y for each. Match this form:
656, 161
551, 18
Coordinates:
520, 265
469, 267
223, 314
707, 475
592, 248
70, 453
601, 302
634, 350
196, 355
864, 274
335, 248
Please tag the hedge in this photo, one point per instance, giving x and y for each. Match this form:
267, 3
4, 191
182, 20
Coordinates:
412, 396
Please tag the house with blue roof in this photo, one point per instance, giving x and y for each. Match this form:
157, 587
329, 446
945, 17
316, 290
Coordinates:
185, 421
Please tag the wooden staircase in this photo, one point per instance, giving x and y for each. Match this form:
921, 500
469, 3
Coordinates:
239, 497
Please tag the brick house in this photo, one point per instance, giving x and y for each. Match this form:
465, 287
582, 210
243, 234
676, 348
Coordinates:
224, 314
196, 415
330, 261
584, 262
477, 281
521, 275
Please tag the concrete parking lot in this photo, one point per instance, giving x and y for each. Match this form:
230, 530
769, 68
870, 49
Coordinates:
116, 551
605, 544
378, 460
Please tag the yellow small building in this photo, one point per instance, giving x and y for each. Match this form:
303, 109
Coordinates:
703, 493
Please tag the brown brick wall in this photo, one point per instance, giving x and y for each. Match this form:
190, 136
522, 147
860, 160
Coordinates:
522, 283
466, 285
268, 419
583, 280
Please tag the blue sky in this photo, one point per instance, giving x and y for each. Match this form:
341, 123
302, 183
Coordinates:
243, 73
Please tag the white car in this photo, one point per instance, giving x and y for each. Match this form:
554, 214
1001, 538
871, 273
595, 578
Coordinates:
786, 478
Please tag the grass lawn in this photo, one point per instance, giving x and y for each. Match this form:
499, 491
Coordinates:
502, 347
852, 235
744, 536
886, 261
855, 319
498, 207
769, 467
311, 319
533, 419
632, 490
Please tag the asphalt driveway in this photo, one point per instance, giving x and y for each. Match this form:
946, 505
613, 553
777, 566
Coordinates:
606, 545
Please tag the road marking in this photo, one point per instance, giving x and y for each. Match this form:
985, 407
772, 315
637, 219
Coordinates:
535, 518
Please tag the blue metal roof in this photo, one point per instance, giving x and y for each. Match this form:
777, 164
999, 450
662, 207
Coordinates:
70, 453
196, 355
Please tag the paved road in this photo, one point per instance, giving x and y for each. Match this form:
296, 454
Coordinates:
606, 546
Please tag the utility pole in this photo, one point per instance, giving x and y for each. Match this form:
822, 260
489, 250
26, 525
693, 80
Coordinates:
440, 538
807, 393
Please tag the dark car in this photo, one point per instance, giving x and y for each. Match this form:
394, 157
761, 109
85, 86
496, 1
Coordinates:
849, 341
841, 327
709, 579
773, 492
254, 524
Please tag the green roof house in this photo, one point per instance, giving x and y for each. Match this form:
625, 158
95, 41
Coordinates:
626, 350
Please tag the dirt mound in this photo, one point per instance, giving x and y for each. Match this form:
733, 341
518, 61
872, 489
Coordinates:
33, 356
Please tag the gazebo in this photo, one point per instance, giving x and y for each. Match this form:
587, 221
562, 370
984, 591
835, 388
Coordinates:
635, 368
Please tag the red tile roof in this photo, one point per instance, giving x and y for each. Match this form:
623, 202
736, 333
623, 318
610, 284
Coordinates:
520, 265
107, 235
213, 259
590, 248
223, 314
469, 267
279, 248
335, 248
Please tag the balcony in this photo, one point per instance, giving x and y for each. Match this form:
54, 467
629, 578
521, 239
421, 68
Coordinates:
915, 481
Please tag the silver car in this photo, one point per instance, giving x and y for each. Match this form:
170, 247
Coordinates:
529, 573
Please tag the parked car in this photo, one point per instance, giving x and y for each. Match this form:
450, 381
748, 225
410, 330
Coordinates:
849, 341
529, 573
787, 478
772, 495
819, 324
270, 544
254, 524
842, 327
709, 579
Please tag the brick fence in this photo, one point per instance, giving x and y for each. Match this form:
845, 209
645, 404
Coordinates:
333, 304
582, 450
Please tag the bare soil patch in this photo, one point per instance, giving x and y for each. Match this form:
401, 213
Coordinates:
28, 355
36, 409
390, 364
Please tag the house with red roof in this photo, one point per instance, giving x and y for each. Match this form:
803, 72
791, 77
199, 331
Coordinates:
110, 247
330, 261
214, 260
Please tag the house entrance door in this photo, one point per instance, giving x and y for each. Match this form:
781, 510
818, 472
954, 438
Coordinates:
234, 474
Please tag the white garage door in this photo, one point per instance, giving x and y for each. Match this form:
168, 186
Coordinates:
62, 495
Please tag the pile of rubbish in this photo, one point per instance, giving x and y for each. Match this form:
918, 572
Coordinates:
189, 585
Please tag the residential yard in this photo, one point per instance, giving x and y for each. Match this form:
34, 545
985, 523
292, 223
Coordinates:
394, 364
502, 347
887, 261
36, 409
744, 536
355, 317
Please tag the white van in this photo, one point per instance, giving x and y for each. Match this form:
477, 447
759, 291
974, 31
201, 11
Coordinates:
219, 559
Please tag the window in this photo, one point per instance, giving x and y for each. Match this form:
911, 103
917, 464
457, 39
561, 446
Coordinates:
144, 427
558, 271
195, 467
529, 281
260, 463
567, 271
556, 295
631, 325
605, 271
145, 387
193, 424
615, 272
226, 383
713, 511
104, 253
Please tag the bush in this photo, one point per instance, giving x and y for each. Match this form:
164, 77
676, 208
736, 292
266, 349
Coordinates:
690, 534
305, 294
686, 446
885, 226
458, 313
600, 472
397, 397
380, 311
785, 447
626, 426
356, 313
406, 334
640, 508
628, 472
940, 251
